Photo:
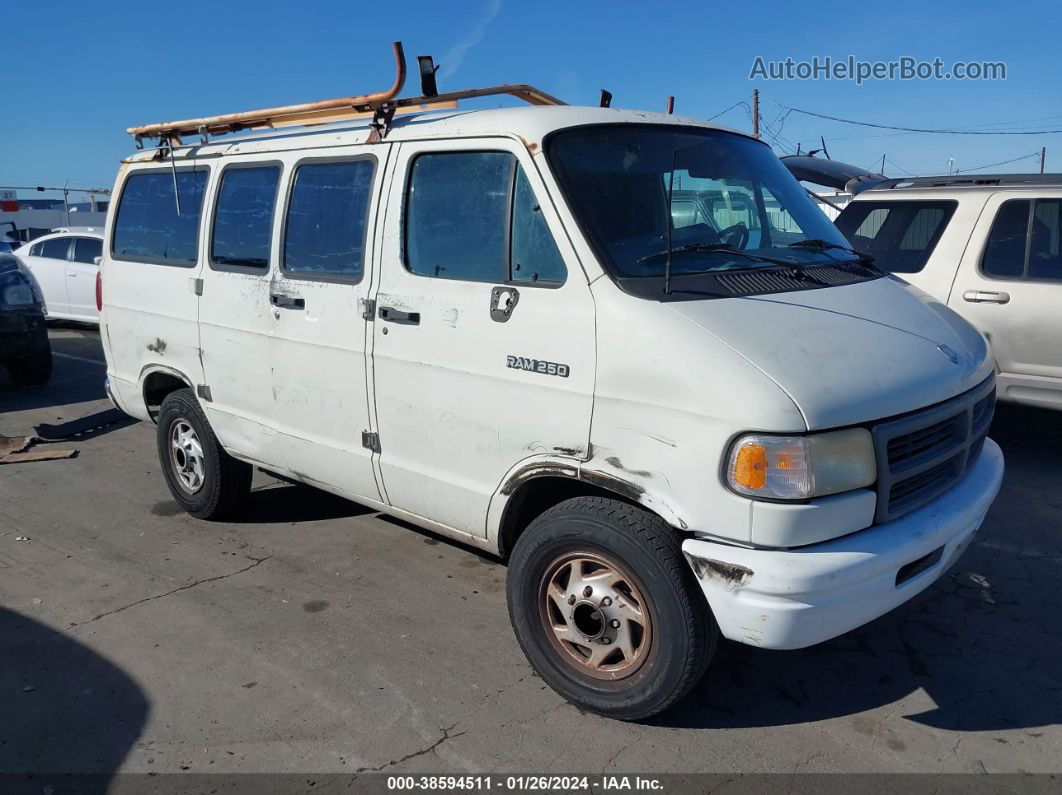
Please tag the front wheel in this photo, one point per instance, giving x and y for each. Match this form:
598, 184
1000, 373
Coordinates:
606, 608
204, 480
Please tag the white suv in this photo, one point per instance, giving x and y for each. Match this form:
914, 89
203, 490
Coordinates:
65, 266
990, 247
491, 325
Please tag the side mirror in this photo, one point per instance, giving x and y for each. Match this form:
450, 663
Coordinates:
96, 261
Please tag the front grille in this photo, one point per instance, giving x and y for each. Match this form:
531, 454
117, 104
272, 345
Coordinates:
923, 454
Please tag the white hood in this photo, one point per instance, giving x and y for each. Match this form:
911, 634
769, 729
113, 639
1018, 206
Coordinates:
850, 354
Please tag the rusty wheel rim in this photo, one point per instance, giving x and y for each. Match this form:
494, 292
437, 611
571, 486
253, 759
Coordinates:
595, 616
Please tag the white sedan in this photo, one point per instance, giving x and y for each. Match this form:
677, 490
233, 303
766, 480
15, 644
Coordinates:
64, 265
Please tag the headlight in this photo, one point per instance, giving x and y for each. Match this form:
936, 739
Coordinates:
799, 467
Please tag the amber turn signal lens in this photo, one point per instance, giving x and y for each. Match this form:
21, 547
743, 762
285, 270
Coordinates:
750, 467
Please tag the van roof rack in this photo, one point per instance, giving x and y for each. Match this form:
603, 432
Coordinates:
381, 106
969, 181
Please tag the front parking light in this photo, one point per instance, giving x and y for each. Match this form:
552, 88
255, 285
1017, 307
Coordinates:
801, 467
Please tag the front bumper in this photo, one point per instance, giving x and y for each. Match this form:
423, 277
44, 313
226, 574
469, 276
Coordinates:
789, 599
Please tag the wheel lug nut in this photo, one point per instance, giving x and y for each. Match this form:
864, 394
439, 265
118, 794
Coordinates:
606, 601
587, 591
614, 623
606, 640
571, 599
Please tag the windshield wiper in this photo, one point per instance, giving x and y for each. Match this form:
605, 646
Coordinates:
723, 248
825, 245
792, 269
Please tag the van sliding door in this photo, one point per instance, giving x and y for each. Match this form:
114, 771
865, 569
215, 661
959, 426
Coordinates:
318, 354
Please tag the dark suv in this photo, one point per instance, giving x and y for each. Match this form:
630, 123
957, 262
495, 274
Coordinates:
24, 347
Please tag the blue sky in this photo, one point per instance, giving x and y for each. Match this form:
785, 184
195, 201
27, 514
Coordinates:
80, 73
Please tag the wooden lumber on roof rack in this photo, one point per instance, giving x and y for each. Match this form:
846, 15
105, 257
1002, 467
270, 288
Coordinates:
338, 109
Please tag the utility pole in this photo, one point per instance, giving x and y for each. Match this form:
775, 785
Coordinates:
756, 112
1043, 157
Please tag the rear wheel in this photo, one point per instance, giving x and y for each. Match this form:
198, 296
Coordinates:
33, 369
204, 480
606, 608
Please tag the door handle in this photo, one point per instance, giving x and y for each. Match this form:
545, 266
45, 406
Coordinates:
986, 297
287, 301
392, 315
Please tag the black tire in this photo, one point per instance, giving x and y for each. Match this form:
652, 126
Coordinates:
224, 482
642, 548
33, 369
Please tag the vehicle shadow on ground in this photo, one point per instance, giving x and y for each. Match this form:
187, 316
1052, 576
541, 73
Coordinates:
282, 503
66, 709
982, 642
78, 371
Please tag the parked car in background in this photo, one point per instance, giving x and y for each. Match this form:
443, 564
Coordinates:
990, 247
24, 348
65, 266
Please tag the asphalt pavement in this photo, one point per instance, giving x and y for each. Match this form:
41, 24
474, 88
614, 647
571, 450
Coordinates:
314, 635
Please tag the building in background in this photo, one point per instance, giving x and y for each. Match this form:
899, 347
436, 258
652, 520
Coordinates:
28, 219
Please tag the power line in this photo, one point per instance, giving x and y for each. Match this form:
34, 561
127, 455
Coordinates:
736, 104
897, 166
921, 129
1002, 163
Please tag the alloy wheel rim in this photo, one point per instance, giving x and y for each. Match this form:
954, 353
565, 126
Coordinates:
595, 616
186, 454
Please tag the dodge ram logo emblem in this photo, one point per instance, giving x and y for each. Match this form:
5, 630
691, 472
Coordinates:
952, 355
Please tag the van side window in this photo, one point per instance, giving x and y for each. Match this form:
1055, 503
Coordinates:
148, 227
534, 253
1004, 255
86, 249
324, 234
456, 214
243, 217
473, 216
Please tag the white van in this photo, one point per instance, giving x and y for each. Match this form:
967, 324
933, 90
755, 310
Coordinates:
990, 247
676, 424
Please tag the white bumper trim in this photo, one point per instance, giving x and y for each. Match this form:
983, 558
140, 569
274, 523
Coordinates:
789, 599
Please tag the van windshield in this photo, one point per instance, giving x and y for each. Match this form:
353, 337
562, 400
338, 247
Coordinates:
733, 205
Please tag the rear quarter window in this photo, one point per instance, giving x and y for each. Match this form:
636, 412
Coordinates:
901, 235
148, 226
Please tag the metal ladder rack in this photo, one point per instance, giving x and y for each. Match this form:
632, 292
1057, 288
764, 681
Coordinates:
381, 106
